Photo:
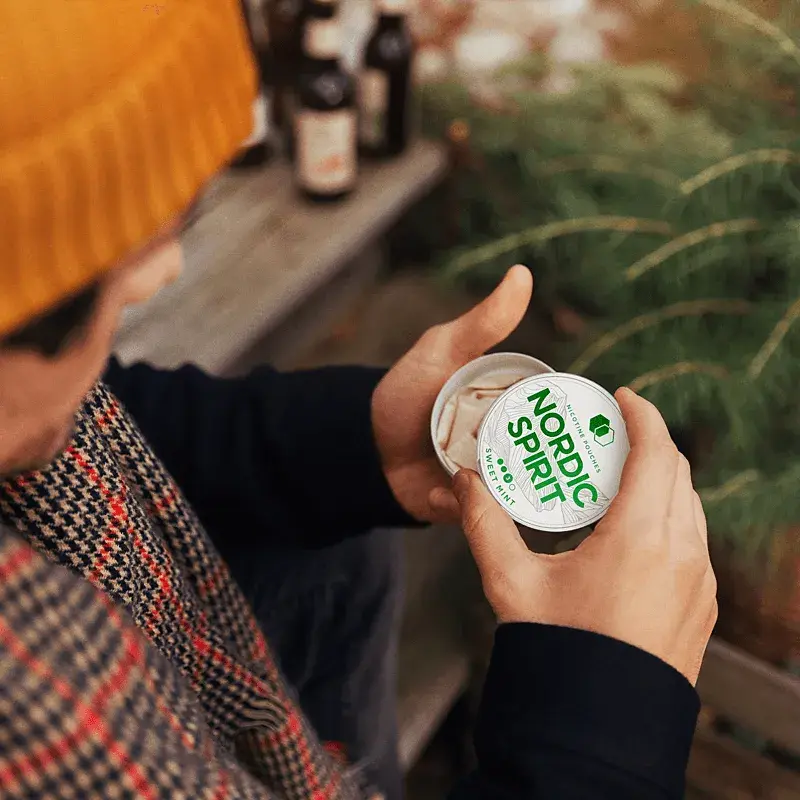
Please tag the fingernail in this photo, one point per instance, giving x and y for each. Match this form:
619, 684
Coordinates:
626, 391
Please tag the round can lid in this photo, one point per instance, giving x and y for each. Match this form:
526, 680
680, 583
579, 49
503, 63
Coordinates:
551, 449
490, 366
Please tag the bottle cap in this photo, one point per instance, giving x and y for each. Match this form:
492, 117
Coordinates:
551, 450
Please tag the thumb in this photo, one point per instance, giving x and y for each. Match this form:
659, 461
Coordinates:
492, 535
492, 320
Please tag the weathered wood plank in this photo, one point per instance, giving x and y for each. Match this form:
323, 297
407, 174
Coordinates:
723, 770
318, 317
258, 252
752, 693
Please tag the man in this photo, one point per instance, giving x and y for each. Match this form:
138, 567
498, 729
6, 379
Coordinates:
130, 662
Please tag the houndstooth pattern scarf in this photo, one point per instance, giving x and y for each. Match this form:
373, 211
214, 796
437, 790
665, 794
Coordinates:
108, 510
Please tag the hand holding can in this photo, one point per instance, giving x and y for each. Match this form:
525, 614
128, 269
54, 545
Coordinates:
644, 577
403, 400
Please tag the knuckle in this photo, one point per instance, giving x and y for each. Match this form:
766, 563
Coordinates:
504, 586
705, 582
710, 581
700, 557
651, 550
691, 555
688, 559
683, 552
665, 454
476, 518
714, 612
655, 551
435, 336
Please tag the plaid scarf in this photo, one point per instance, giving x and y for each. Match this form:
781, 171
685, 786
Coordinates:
108, 510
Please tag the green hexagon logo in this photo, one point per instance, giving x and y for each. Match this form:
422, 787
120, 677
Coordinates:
600, 426
605, 439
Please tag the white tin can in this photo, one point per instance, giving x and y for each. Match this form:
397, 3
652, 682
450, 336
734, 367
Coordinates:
551, 450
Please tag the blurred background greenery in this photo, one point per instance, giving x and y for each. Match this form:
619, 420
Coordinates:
660, 210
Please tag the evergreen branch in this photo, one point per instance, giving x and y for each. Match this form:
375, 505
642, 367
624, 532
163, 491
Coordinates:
763, 156
559, 166
552, 230
749, 18
715, 231
687, 308
675, 371
773, 342
735, 485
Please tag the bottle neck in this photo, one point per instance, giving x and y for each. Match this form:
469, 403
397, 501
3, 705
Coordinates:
322, 7
392, 10
322, 41
259, 30
391, 22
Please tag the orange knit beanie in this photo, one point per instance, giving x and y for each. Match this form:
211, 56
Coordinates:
113, 114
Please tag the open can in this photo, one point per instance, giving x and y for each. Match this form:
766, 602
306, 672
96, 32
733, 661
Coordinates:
465, 399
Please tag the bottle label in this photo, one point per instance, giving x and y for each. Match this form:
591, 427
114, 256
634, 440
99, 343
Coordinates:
260, 122
393, 7
323, 39
326, 150
374, 104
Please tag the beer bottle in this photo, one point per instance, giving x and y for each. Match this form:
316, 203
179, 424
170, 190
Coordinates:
285, 24
258, 148
385, 82
326, 138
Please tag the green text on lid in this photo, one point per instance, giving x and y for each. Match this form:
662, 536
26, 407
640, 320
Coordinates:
562, 457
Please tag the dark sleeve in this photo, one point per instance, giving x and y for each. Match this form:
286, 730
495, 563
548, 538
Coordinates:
284, 457
571, 714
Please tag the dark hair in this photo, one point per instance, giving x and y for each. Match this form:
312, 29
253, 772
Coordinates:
51, 332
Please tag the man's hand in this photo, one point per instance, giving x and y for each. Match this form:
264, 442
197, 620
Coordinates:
643, 577
403, 401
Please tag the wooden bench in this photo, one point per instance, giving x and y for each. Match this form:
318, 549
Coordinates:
760, 698
265, 270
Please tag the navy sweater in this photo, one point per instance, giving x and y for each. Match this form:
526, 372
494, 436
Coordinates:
565, 713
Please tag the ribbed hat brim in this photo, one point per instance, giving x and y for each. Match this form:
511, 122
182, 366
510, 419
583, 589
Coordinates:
113, 116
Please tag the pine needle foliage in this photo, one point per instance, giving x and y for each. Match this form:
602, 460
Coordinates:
669, 215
